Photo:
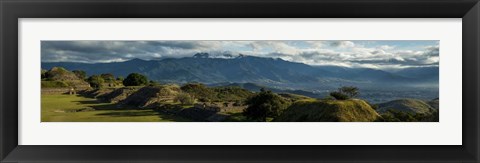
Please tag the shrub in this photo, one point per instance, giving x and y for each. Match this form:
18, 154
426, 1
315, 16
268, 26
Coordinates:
350, 91
135, 79
432, 117
401, 116
185, 99
339, 95
231, 94
95, 81
264, 105
345, 93
120, 78
398, 116
108, 77
80, 74
238, 103
43, 74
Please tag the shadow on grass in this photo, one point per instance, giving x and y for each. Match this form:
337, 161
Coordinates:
175, 118
99, 105
172, 116
236, 117
138, 113
168, 113
118, 110
129, 113
88, 102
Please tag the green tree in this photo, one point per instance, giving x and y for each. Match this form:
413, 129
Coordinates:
345, 93
108, 77
349, 90
80, 74
339, 95
265, 104
120, 78
135, 79
184, 98
95, 81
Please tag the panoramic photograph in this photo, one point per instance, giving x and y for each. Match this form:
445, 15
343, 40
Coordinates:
240, 81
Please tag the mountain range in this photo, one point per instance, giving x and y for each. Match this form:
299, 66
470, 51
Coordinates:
273, 72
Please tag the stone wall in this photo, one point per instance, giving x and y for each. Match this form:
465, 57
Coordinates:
59, 91
55, 91
219, 107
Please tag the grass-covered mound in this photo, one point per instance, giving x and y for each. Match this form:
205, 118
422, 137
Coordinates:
231, 94
118, 94
352, 110
60, 74
58, 77
414, 106
294, 97
95, 93
149, 95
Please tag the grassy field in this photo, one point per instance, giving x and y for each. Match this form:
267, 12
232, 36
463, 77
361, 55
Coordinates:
71, 108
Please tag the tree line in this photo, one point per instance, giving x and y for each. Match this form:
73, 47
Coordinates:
98, 81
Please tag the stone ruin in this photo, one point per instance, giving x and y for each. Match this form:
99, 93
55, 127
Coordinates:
118, 94
219, 106
148, 96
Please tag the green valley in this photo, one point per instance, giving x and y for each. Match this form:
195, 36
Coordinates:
69, 96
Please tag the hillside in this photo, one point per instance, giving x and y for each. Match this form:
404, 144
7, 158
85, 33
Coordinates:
406, 105
427, 73
294, 97
58, 77
246, 69
256, 87
434, 103
353, 110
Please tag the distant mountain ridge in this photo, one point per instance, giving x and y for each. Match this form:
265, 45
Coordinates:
249, 69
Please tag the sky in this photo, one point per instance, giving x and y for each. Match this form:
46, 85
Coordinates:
371, 54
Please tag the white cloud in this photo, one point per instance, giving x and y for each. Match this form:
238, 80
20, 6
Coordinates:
316, 44
274, 46
386, 47
342, 53
342, 44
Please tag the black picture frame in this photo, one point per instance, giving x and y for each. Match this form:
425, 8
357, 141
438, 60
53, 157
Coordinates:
12, 10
